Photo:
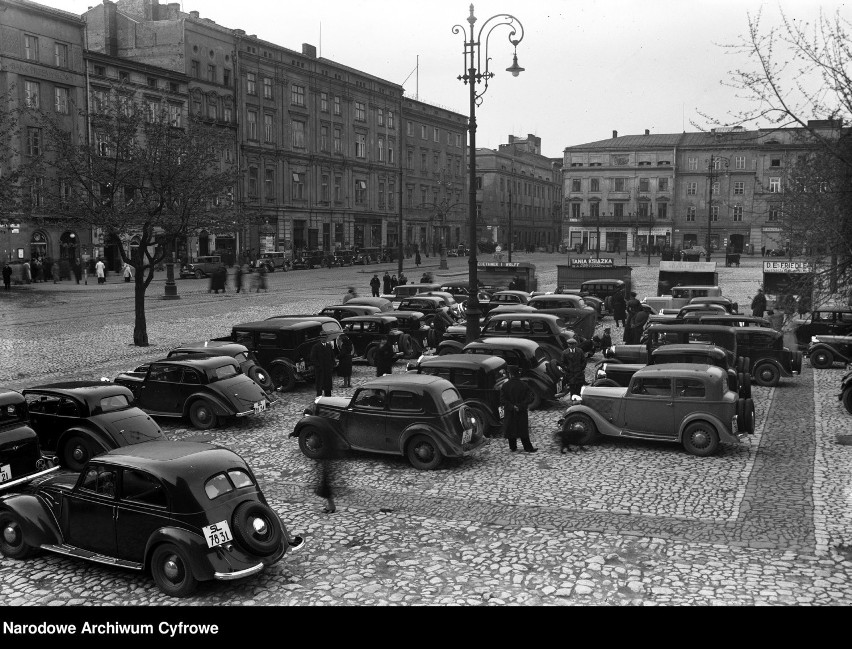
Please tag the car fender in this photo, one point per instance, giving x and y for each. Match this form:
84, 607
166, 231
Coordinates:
604, 427
323, 424
453, 345
760, 361
37, 522
421, 429
90, 432
219, 406
721, 428
487, 409
196, 550
833, 350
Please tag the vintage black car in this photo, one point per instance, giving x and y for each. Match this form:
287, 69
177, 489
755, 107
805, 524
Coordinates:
619, 374
825, 351
422, 418
769, 358
683, 403
283, 345
478, 379
21, 459
240, 353
413, 323
732, 320
201, 389
686, 314
546, 329
78, 420
367, 332
399, 293
428, 305
381, 303
845, 395
825, 321
460, 290
184, 511
455, 309
340, 311
202, 267
503, 298
541, 374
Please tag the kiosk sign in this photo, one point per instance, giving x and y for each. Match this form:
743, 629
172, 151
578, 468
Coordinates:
797, 267
591, 263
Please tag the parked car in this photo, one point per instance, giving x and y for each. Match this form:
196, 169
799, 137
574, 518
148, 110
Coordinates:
240, 353
537, 370
455, 309
845, 395
825, 351
422, 418
726, 303
379, 302
460, 290
732, 320
186, 512
202, 390
77, 420
619, 374
688, 313
415, 324
340, 311
399, 293
603, 288
275, 260
204, 266
561, 301
683, 403
283, 345
546, 329
680, 296
367, 332
428, 305
21, 459
825, 321
344, 257
769, 358
502, 298
477, 378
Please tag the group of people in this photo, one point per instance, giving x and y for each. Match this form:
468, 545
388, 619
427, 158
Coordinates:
387, 283
628, 313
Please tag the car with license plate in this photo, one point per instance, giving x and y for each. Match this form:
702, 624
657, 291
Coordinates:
688, 404
415, 324
769, 359
824, 321
422, 418
77, 420
185, 512
845, 395
202, 267
21, 459
825, 351
367, 332
240, 353
203, 390
275, 260
478, 378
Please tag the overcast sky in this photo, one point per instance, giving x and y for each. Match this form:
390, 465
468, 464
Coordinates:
591, 67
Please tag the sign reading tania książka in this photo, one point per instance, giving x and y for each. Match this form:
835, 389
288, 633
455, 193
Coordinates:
579, 262
798, 267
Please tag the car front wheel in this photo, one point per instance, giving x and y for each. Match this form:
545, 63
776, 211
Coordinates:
700, 438
423, 453
201, 415
847, 399
12, 543
767, 375
171, 571
579, 429
199, 274
77, 452
822, 359
284, 377
313, 443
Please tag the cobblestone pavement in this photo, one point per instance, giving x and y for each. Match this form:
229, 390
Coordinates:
623, 522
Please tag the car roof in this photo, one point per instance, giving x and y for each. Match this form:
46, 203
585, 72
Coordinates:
457, 282
409, 380
212, 347
528, 315
281, 324
390, 319
201, 362
759, 331
424, 285
682, 370
370, 301
432, 298
464, 361
9, 397
511, 292
688, 327
604, 280
729, 317
833, 309
89, 391
712, 298
673, 350
408, 314
504, 341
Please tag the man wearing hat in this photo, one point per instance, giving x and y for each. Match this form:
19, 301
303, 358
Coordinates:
758, 304
322, 358
574, 360
517, 397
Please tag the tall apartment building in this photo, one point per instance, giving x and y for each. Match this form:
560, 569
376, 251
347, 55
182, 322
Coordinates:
519, 189
41, 64
679, 189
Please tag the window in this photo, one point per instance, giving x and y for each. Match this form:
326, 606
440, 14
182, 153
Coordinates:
774, 212
338, 188
60, 55
324, 138
575, 211
195, 69
100, 480
424, 164
324, 102
252, 182
360, 145
37, 193
212, 108
738, 213
175, 115
360, 192
594, 209
691, 189
227, 114
360, 112
142, 488
739, 187
152, 111
30, 48
644, 184
267, 88
390, 152
324, 188
297, 95
390, 119
102, 145
226, 74
33, 141
269, 184
594, 184
663, 184
100, 70
690, 388
298, 134
338, 141
435, 135
739, 162
381, 194
714, 212
715, 188
618, 210
775, 162
619, 184
692, 164
391, 195
409, 128
380, 117
196, 106
644, 210
775, 185
690, 214
268, 134
31, 94
251, 83
336, 105
252, 125
653, 387
381, 147
662, 210
367, 398
458, 139
422, 131
576, 184
297, 189
211, 73
400, 400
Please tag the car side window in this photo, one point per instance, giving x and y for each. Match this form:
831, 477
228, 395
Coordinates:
267, 339
42, 404
653, 387
690, 388
442, 372
115, 402
165, 373
371, 327
845, 318
99, 480
466, 378
370, 398
67, 408
139, 487
400, 400
245, 338
539, 328
191, 377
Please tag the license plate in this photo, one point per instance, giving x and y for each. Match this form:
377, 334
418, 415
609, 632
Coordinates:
217, 534
502, 412
734, 426
259, 406
5, 473
467, 435
396, 348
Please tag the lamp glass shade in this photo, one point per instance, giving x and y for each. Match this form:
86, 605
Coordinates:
515, 69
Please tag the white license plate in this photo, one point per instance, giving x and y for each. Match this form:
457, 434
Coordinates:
259, 406
5, 473
217, 534
467, 435
396, 348
502, 411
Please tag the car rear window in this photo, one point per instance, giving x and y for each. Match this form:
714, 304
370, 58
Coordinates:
451, 398
223, 483
331, 326
224, 372
115, 402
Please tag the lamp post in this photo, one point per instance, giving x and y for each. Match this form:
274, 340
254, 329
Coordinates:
711, 168
473, 75
598, 233
511, 229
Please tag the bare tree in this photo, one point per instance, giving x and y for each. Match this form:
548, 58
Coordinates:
138, 173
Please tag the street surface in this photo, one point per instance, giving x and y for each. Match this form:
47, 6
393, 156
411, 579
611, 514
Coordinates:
768, 522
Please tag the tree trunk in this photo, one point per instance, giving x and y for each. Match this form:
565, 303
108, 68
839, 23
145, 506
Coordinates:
140, 326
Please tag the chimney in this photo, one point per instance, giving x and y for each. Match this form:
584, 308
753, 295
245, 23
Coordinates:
614, 134
194, 14
647, 132
309, 50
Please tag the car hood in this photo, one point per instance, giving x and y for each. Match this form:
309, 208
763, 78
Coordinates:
834, 339
336, 403
133, 425
604, 401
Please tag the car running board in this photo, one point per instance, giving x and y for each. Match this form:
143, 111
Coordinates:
79, 553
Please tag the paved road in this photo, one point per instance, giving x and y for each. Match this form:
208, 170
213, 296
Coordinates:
764, 523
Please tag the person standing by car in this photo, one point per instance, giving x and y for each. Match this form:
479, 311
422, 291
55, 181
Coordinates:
345, 350
394, 282
574, 360
517, 397
385, 356
619, 309
403, 280
375, 284
386, 283
322, 358
758, 304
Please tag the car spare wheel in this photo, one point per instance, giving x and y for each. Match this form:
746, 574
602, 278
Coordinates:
284, 376
257, 528
605, 383
261, 377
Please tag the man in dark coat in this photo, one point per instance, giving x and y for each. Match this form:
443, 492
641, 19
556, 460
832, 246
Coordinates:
344, 359
619, 308
637, 325
386, 283
7, 275
322, 358
385, 356
517, 397
758, 304
574, 360
375, 283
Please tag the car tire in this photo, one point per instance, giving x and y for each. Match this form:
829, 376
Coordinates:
741, 385
199, 274
797, 362
766, 374
847, 400
700, 438
12, 542
423, 453
77, 451
535, 404
172, 572
749, 416
747, 365
747, 385
313, 443
822, 359
482, 419
261, 377
283, 376
579, 429
605, 383
256, 528
370, 355
741, 420
405, 346
201, 415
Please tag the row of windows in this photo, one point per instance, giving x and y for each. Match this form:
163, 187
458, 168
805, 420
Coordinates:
774, 187
719, 163
331, 188
31, 51
620, 184
452, 138
736, 212
61, 97
212, 73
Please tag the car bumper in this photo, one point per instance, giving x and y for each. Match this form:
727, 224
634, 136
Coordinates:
249, 413
27, 478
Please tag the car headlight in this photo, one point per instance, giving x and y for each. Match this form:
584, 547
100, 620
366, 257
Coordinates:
610, 352
576, 399
601, 373
814, 339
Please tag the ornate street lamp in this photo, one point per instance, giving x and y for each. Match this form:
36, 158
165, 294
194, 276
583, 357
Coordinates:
474, 74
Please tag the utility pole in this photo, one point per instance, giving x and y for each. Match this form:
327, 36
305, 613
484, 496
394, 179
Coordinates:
511, 231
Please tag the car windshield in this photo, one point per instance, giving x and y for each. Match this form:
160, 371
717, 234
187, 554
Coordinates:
224, 372
451, 398
115, 402
331, 326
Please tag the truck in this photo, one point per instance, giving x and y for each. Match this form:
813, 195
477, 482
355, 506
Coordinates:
684, 274
571, 276
498, 275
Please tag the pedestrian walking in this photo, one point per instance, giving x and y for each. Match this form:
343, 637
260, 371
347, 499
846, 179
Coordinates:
322, 359
349, 294
327, 474
128, 273
7, 275
100, 271
386, 283
78, 270
26, 273
417, 260
517, 397
619, 309
375, 284
574, 360
758, 304
385, 357
238, 278
36, 270
762, 251
260, 280
345, 350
